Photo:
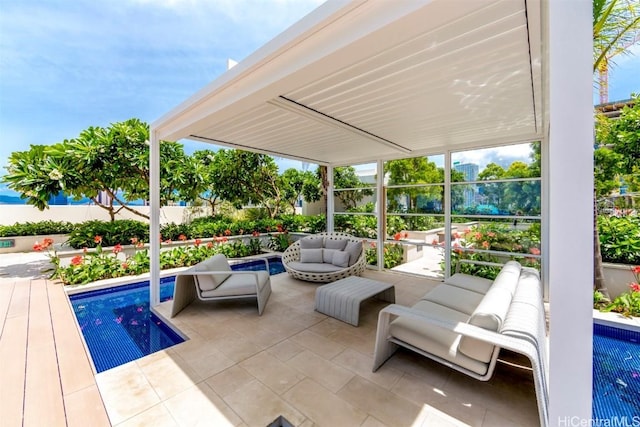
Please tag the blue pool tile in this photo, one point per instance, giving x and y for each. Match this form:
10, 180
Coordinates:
616, 373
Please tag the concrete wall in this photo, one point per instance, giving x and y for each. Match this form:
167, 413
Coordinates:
11, 214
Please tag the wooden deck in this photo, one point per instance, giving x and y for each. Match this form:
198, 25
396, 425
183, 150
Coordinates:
46, 376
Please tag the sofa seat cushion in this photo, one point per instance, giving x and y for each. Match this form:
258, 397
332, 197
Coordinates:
455, 298
431, 339
469, 282
313, 267
239, 284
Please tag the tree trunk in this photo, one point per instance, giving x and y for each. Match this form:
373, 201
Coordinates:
325, 183
598, 273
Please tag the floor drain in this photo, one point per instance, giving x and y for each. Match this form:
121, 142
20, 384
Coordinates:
280, 422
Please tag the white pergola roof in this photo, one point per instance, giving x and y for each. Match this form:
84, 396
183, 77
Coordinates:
369, 80
360, 81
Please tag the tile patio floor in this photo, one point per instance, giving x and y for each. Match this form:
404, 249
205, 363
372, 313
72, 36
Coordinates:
241, 369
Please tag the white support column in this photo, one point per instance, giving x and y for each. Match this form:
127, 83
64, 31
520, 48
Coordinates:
331, 206
154, 233
447, 214
381, 206
570, 211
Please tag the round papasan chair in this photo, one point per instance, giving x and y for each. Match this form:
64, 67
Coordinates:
324, 271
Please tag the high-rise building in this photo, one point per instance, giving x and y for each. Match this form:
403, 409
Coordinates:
470, 172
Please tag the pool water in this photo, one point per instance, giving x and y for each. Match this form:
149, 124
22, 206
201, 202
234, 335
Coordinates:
616, 372
275, 265
118, 325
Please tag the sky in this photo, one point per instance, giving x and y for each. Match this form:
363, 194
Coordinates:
68, 65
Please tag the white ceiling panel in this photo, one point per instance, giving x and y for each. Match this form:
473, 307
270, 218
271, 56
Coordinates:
370, 79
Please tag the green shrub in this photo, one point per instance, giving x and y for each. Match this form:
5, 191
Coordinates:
174, 231
620, 239
498, 237
36, 228
120, 231
392, 254
357, 225
100, 264
279, 242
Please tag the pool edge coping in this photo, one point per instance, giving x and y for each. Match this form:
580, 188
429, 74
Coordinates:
616, 320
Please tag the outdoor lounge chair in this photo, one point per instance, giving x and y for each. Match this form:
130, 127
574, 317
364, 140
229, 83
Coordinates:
213, 280
325, 257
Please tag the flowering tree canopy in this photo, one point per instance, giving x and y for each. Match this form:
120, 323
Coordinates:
109, 165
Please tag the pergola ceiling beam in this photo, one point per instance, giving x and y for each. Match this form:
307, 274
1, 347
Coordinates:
301, 109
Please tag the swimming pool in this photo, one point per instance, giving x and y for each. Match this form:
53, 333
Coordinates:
118, 325
616, 372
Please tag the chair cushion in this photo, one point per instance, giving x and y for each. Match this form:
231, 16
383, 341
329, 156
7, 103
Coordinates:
458, 299
327, 255
354, 249
209, 282
313, 267
239, 284
311, 243
310, 255
434, 340
338, 244
340, 259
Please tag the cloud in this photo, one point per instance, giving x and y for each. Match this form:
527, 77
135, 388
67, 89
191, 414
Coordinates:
502, 156
71, 65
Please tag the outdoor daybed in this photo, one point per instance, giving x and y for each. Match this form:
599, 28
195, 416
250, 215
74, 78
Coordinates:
325, 257
464, 322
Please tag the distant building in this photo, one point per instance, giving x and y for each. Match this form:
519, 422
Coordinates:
470, 172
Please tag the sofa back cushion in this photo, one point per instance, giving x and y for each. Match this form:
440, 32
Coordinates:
338, 244
340, 259
209, 282
311, 255
311, 243
354, 249
327, 255
491, 312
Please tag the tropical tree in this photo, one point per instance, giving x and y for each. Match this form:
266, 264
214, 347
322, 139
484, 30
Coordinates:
207, 163
617, 154
520, 195
413, 171
244, 177
492, 192
344, 177
616, 27
296, 184
107, 165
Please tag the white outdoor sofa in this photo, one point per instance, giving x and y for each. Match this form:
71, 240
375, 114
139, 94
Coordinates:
464, 322
325, 257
